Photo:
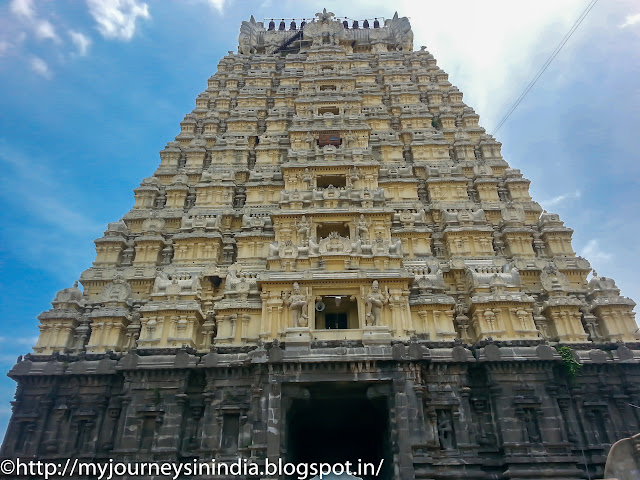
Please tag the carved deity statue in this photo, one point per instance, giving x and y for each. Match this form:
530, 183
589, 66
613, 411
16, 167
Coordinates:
374, 302
445, 430
354, 176
531, 425
349, 140
304, 229
307, 178
309, 140
297, 303
212, 324
362, 228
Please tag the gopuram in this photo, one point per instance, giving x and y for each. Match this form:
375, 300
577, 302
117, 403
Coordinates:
334, 262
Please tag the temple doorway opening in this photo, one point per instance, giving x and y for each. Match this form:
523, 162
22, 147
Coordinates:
338, 423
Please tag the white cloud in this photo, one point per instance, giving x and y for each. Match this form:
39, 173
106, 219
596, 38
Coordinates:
491, 50
218, 4
4, 47
631, 20
46, 31
39, 66
559, 199
81, 41
43, 29
23, 8
594, 253
117, 18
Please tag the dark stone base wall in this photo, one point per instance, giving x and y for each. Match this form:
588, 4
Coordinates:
494, 411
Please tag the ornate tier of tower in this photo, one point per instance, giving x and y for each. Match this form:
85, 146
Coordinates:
333, 260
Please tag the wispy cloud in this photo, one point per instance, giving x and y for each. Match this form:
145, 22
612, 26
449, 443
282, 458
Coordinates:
117, 18
218, 4
81, 41
53, 223
23, 8
44, 30
4, 47
552, 202
41, 67
630, 20
594, 253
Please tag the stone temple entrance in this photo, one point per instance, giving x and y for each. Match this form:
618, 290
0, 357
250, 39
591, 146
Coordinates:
339, 422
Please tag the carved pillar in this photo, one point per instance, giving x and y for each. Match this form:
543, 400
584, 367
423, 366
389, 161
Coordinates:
110, 428
564, 405
504, 424
208, 431
420, 428
404, 460
465, 434
128, 427
52, 444
274, 419
244, 331
44, 411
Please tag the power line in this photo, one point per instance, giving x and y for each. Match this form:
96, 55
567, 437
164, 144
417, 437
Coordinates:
553, 55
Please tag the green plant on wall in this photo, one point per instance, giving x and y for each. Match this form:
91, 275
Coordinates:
571, 365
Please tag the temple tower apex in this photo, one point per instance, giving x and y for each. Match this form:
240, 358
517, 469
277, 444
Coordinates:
333, 262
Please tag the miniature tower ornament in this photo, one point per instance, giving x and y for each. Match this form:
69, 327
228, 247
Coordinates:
325, 16
332, 247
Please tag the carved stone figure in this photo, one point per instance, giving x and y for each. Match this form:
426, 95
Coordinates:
297, 303
273, 249
116, 291
334, 243
445, 430
304, 229
374, 301
532, 429
623, 461
554, 280
212, 326
362, 228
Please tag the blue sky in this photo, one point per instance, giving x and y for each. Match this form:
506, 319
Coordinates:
91, 91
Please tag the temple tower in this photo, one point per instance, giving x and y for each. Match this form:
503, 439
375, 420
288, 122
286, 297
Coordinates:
333, 261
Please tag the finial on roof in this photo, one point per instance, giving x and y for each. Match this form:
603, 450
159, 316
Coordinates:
325, 16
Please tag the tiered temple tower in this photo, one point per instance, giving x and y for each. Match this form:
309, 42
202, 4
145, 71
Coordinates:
333, 260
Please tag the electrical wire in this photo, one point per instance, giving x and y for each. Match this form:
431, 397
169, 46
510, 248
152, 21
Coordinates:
553, 55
